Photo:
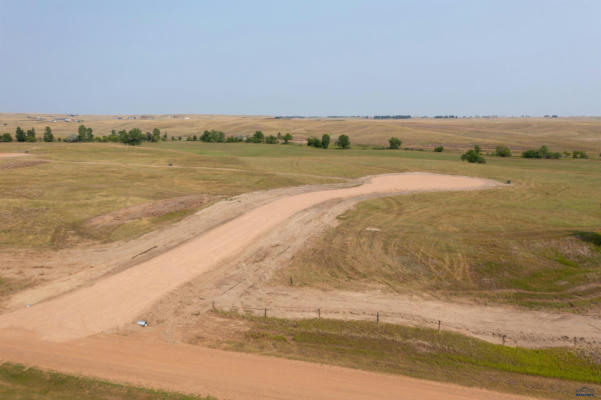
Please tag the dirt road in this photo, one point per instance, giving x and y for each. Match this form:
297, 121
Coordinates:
11, 155
117, 299
226, 375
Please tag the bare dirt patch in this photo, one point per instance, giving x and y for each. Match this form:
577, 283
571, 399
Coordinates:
149, 210
18, 163
11, 155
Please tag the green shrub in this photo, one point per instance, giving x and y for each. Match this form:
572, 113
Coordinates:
312, 141
233, 139
579, 154
394, 143
503, 151
271, 139
325, 141
287, 137
6, 137
72, 138
473, 156
439, 149
543, 152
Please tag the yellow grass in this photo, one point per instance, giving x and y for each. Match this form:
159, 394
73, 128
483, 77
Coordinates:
561, 134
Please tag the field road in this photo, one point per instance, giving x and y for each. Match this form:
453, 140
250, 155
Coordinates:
118, 299
226, 375
65, 333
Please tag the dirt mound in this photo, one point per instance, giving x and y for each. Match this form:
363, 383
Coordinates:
149, 210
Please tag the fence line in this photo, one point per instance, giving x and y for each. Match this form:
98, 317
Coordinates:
376, 316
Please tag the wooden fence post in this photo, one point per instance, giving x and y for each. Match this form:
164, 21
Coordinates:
439, 327
504, 340
213, 306
378, 317
265, 315
319, 313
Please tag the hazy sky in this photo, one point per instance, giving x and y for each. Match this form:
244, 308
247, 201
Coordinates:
304, 57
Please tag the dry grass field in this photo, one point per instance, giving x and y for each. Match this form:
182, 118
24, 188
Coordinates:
534, 244
561, 134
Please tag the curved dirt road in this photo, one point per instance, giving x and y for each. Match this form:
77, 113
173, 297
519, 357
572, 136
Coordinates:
61, 333
117, 299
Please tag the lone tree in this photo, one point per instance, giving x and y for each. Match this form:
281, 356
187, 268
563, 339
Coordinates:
394, 143
439, 149
473, 156
287, 137
325, 141
343, 141
48, 136
20, 134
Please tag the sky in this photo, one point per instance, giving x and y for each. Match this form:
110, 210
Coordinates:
422, 57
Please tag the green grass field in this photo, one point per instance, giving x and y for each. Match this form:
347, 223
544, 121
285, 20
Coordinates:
20, 383
531, 244
421, 352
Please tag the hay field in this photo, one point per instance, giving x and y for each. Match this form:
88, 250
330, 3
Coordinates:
561, 134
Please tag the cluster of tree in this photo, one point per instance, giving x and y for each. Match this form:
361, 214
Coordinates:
392, 116
22, 136
473, 155
543, 152
503, 151
84, 134
343, 142
324, 143
394, 143
445, 116
439, 149
212, 136
6, 137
